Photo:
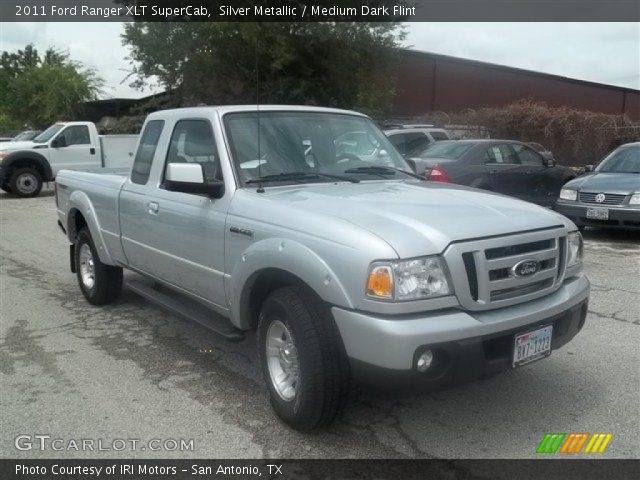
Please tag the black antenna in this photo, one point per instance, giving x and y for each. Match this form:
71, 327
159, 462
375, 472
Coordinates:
260, 187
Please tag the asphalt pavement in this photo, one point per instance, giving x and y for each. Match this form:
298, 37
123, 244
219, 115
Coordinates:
131, 371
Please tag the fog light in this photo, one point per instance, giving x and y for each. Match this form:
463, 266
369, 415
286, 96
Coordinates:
424, 361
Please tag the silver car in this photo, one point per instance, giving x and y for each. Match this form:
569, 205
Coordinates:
607, 196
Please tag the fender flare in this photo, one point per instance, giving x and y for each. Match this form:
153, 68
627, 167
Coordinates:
291, 257
80, 202
31, 155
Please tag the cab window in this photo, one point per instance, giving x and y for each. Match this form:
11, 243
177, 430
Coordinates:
75, 135
146, 151
192, 142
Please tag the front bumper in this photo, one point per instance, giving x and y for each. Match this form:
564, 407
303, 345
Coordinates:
619, 217
383, 351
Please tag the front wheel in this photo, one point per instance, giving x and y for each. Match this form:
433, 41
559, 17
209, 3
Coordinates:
302, 358
100, 283
26, 182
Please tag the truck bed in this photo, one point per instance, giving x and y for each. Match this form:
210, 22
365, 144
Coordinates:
118, 152
97, 189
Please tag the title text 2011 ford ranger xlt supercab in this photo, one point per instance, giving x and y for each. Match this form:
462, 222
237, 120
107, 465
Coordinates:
347, 266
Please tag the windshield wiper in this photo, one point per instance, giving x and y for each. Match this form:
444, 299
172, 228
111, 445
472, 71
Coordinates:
382, 171
299, 177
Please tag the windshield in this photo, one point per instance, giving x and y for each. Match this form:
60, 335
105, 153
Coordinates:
452, 150
25, 136
48, 133
622, 160
310, 147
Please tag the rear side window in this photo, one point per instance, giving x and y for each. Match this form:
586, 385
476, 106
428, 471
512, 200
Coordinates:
439, 136
415, 143
398, 141
146, 151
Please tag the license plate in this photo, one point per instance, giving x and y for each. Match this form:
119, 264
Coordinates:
531, 346
598, 213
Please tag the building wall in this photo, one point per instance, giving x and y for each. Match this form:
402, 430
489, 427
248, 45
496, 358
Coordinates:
429, 82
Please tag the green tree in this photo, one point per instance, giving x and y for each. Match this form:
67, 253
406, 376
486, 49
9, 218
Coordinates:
37, 90
347, 65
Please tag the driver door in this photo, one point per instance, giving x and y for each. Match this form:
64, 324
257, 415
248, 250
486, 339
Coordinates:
175, 236
77, 152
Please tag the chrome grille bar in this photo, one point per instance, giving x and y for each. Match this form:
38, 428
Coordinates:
482, 269
609, 198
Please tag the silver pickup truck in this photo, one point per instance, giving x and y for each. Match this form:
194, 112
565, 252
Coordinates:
346, 263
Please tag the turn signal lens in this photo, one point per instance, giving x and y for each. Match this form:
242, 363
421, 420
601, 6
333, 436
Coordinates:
380, 282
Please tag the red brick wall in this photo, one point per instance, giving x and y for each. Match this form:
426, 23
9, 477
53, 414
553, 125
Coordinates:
432, 82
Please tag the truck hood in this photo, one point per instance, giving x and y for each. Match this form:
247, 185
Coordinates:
12, 146
416, 218
597, 182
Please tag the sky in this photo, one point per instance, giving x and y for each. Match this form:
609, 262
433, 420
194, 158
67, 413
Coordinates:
599, 52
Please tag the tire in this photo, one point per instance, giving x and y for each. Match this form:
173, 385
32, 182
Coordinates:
26, 182
100, 283
6, 188
321, 391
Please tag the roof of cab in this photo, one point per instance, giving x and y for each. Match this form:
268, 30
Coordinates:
222, 109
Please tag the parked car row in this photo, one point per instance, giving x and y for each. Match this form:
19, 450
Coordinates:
605, 196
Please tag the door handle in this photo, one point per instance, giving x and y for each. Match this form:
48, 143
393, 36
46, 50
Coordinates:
92, 151
153, 208
495, 170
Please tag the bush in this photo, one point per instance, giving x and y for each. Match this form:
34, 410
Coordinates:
576, 137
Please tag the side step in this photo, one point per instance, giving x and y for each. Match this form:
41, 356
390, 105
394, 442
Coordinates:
184, 307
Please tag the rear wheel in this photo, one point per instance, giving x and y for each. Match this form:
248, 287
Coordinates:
25, 182
100, 283
303, 362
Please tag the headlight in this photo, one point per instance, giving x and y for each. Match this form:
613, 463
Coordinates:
408, 279
635, 199
568, 194
575, 245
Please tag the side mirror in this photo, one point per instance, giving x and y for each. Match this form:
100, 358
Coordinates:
189, 178
588, 168
59, 142
549, 162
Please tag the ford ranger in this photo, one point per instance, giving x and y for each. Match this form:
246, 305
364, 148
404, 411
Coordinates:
243, 218
25, 165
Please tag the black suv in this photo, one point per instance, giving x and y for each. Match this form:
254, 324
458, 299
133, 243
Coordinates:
502, 166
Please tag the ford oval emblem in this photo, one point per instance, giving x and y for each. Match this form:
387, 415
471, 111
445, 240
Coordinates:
525, 268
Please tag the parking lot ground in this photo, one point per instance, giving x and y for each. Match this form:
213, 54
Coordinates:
133, 371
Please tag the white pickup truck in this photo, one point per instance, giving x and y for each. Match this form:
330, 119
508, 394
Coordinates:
24, 166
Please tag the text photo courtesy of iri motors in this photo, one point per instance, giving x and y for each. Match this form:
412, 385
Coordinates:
319, 245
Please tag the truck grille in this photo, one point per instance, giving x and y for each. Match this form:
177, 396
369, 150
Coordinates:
609, 198
491, 273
